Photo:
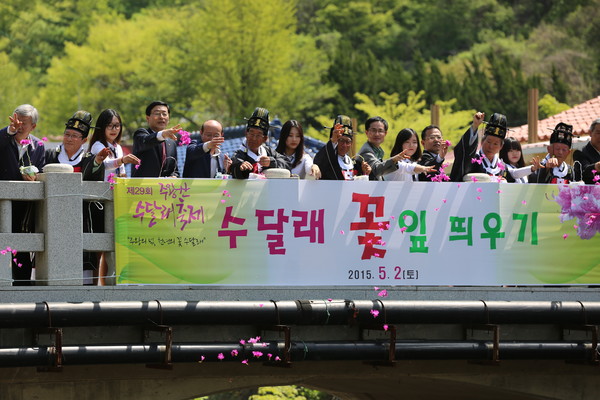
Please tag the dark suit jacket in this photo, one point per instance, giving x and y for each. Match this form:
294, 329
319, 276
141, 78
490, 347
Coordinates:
9, 156
86, 166
150, 151
428, 159
197, 162
587, 157
277, 161
327, 160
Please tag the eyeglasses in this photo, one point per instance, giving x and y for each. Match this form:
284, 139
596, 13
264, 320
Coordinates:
113, 127
255, 136
344, 141
160, 114
373, 130
73, 136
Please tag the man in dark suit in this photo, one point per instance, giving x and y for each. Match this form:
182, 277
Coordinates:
204, 159
21, 158
156, 146
588, 159
434, 151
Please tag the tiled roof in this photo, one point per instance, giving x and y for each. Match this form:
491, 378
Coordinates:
581, 117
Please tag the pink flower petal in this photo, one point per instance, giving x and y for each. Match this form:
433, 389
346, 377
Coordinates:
330, 300
565, 236
261, 305
403, 229
374, 313
341, 232
385, 327
478, 198
524, 202
245, 362
242, 341
234, 353
479, 190
220, 356
383, 293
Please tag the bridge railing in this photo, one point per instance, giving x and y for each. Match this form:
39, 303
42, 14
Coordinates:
59, 240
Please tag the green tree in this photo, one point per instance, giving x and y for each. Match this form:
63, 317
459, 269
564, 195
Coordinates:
549, 106
242, 55
16, 88
109, 72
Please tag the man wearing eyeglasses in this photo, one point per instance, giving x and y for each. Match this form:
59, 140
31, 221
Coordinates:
376, 130
21, 158
204, 159
255, 156
434, 151
156, 146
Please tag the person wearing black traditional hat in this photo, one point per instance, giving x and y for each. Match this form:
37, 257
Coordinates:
21, 158
554, 168
72, 150
254, 156
333, 159
156, 146
376, 130
587, 160
469, 160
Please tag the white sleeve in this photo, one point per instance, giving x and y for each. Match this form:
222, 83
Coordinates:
519, 173
109, 162
407, 167
308, 163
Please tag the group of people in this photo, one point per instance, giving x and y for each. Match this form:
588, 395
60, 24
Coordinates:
23, 156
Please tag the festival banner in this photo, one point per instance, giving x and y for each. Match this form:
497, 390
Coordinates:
296, 232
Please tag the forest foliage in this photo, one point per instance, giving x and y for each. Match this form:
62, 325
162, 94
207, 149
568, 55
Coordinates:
306, 59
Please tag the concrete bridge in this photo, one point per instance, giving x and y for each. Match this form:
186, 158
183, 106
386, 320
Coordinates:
59, 339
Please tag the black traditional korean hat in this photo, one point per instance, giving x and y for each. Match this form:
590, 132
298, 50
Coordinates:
259, 119
81, 122
496, 126
346, 122
562, 133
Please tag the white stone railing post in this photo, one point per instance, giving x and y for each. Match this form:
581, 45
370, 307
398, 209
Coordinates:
60, 218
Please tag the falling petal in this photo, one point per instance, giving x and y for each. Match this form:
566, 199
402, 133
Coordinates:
473, 179
479, 190
458, 185
223, 201
220, 356
14, 259
374, 313
403, 229
385, 327
45, 139
524, 202
436, 209
330, 300
201, 359
392, 217
137, 166
261, 304
245, 362
499, 191
444, 201
341, 232
19, 265
269, 355
383, 293
257, 354
478, 198
565, 236
242, 341
234, 353
575, 227
277, 358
